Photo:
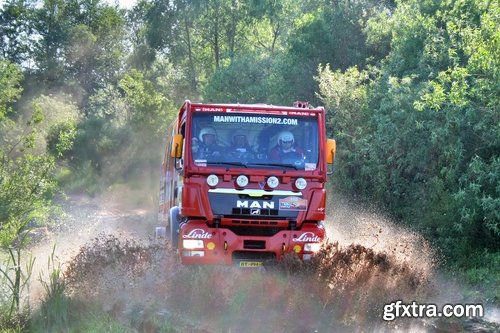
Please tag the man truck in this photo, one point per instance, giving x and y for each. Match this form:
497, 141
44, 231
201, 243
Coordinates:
242, 184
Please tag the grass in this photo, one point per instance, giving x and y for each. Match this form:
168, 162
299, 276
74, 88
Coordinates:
54, 307
482, 277
82, 317
482, 284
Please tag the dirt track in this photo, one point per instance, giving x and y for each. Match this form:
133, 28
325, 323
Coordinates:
141, 283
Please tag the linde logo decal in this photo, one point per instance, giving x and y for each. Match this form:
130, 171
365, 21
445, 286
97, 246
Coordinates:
307, 237
198, 234
254, 204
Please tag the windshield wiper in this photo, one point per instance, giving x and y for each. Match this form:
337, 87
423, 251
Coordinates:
239, 164
291, 166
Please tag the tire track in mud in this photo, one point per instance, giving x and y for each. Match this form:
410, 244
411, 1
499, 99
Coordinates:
109, 260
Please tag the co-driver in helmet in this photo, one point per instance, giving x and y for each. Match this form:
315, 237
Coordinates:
285, 148
207, 146
240, 148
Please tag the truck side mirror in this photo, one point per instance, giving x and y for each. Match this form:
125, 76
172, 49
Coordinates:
331, 147
176, 151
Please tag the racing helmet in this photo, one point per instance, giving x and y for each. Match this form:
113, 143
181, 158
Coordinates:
205, 131
285, 136
237, 134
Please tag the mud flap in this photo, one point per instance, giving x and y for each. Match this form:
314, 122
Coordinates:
174, 227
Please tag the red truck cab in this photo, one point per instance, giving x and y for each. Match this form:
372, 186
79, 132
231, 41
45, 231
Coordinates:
242, 184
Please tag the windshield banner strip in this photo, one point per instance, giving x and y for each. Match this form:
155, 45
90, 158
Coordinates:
256, 120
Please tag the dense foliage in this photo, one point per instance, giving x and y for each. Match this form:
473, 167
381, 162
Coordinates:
412, 90
422, 127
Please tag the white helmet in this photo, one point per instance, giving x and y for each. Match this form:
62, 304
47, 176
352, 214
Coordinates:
285, 136
205, 131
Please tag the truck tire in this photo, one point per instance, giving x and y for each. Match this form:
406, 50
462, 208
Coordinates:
174, 226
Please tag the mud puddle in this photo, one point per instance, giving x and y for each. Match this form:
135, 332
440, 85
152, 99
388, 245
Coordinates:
110, 259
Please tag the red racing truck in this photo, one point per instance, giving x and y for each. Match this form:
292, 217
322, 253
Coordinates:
245, 183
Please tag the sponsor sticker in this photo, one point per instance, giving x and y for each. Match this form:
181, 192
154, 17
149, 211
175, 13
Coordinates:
210, 109
198, 234
202, 163
292, 203
302, 113
307, 237
310, 166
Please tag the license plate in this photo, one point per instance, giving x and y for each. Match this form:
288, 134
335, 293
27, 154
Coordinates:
251, 263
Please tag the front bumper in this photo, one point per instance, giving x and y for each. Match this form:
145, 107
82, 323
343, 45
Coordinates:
201, 244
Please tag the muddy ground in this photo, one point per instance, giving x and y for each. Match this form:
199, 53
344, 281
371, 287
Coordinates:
110, 258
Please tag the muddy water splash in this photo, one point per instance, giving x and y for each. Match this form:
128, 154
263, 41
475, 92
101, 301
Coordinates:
349, 223
85, 218
343, 289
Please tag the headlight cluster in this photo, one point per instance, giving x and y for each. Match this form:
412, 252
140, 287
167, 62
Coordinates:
193, 248
196, 247
212, 180
242, 181
312, 247
273, 182
192, 244
300, 183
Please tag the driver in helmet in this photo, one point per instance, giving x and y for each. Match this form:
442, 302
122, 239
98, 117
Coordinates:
207, 146
240, 148
285, 148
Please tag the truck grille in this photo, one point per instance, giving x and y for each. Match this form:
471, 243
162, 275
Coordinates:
254, 244
255, 222
247, 255
255, 211
254, 231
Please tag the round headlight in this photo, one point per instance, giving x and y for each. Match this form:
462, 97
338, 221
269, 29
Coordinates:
273, 182
212, 180
300, 183
242, 181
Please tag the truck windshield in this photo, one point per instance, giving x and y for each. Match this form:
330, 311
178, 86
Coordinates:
253, 140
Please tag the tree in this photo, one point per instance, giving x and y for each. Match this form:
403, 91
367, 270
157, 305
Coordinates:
170, 31
331, 34
10, 78
51, 26
26, 185
245, 80
427, 149
142, 54
16, 29
345, 96
96, 45
81, 46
